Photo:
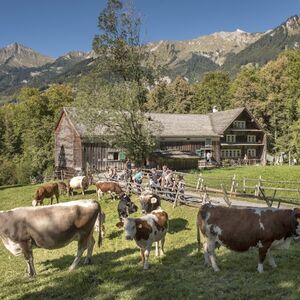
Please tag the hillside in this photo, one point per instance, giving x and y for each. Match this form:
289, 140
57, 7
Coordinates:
227, 51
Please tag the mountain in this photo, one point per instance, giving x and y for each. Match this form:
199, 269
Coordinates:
17, 55
20, 65
268, 46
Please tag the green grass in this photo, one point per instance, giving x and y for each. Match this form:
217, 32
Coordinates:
117, 274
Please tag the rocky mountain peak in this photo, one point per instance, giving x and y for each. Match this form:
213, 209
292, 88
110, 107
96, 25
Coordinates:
18, 55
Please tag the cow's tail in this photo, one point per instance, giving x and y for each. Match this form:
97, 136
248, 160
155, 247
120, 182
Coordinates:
198, 230
100, 228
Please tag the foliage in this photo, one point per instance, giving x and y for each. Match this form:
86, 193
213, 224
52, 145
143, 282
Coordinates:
28, 127
212, 90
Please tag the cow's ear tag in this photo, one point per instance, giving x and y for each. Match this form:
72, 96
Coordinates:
140, 226
120, 224
153, 200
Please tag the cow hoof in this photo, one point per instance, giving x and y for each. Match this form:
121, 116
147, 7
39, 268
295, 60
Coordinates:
217, 270
146, 267
87, 261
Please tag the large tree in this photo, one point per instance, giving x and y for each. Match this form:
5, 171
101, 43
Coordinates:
119, 96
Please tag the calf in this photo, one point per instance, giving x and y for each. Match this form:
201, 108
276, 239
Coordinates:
145, 231
242, 228
50, 227
149, 202
125, 207
108, 187
62, 187
78, 182
47, 190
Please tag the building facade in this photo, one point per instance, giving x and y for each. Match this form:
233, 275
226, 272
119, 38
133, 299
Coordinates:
227, 135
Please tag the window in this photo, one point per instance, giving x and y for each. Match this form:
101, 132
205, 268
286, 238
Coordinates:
251, 152
208, 143
239, 124
251, 138
230, 138
233, 153
113, 156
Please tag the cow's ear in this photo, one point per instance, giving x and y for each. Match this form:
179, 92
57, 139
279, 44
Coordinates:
120, 224
153, 200
297, 213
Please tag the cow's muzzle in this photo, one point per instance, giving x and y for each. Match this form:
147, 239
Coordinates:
128, 238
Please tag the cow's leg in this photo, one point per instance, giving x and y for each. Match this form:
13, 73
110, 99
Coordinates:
146, 255
162, 244
82, 245
90, 248
82, 191
142, 250
100, 194
206, 256
271, 259
27, 251
211, 245
262, 255
156, 248
51, 200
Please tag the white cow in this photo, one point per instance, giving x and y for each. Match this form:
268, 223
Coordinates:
78, 182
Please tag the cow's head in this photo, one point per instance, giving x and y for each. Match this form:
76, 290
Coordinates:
149, 202
34, 202
129, 226
132, 208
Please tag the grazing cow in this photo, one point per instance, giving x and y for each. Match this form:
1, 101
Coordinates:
145, 231
126, 206
47, 190
50, 227
78, 182
108, 187
149, 202
242, 228
62, 187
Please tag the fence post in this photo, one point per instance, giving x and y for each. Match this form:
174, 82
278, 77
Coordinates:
226, 199
258, 186
176, 199
205, 197
233, 188
244, 185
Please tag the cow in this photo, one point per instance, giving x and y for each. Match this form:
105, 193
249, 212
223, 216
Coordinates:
47, 190
145, 231
108, 187
126, 206
149, 201
50, 227
78, 182
239, 229
62, 187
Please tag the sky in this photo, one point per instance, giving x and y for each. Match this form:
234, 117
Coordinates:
54, 27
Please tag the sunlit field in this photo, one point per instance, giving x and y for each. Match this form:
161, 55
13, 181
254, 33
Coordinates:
117, 274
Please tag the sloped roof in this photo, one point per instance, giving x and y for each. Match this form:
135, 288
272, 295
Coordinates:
183, 124
172, 125
222, 119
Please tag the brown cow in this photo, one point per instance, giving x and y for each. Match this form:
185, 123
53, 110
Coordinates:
47, 190
62, 187
145, 231
149, 202
239, 229
50, 227
111, 187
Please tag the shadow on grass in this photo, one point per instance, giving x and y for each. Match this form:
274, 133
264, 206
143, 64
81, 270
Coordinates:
115, 234
177, 225
5, 187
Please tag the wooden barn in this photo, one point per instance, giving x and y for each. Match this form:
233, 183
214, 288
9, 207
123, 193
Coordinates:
227, 135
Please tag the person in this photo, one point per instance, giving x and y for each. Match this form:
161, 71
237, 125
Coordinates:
208, 157
138, 176
246, 159
153, 177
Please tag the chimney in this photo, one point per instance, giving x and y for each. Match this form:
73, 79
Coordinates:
214, 109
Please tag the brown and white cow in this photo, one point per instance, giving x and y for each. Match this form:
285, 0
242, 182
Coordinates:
78, 183
149, 201
111, 187
47, 190
145, 231
239, 229
50, 227
62, 187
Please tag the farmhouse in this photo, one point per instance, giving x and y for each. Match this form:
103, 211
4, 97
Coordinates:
227, 135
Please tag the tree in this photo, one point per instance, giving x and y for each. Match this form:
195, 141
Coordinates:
120, 95
213, 90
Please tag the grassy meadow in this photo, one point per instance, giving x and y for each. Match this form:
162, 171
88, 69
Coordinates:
117, 274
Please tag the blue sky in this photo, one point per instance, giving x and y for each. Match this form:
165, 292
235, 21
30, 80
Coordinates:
54, 27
